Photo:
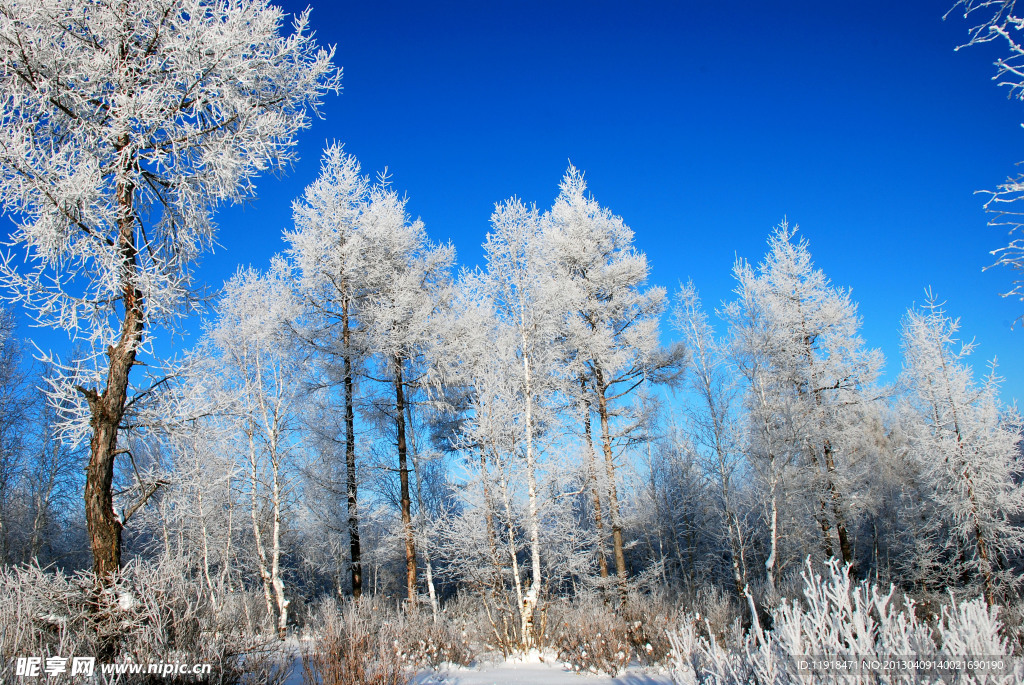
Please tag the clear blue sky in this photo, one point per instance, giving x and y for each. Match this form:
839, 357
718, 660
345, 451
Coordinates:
702, 124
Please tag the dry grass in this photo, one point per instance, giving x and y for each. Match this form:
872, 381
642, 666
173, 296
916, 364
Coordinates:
152, 613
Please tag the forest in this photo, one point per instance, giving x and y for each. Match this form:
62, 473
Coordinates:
374, 465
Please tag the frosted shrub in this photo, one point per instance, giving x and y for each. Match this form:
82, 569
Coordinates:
372, 642
648, 619
466, 612
591, 637
358, 645
151, 613
842, 622
718, 612
426, 643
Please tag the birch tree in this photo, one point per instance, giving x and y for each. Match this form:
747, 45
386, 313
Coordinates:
528, 310
122, 127
266, 380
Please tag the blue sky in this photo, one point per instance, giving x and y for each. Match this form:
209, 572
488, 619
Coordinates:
702, 124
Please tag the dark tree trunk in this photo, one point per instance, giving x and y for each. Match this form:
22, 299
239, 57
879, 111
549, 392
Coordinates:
845, 547
356, 562
618, 551
602, 561
406, 499
107, 408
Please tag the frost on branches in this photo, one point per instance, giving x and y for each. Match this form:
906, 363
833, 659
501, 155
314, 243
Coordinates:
122, 127
796, 342
999, 21
966, 444
857, 626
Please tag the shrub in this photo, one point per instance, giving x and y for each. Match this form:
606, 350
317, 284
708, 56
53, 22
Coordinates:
358, 646
591, 637
151, 613
648, 619
838, 622
371, 642
426, 643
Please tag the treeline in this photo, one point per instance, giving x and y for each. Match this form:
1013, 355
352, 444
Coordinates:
360, 417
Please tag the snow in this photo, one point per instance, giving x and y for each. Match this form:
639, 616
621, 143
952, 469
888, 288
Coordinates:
534, 672
527, 669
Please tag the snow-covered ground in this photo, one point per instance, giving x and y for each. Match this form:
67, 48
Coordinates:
535, 674
530, 669
533, 669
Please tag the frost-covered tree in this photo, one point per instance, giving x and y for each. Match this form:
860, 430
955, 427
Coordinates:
966, 443
796, 338
404, 282
199, 516
611, 322
264, 376
526, 308
327, 261
122, 126
481, 545
713, 421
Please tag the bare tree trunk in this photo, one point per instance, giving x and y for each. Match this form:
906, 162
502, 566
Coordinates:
533, 516
225, 571
406, 498
355, 554
773, 527
206, 547
275, 563
739, 566
845, 547
514, 557
425, 550
602, 561
107, 409
613, 499
261, 553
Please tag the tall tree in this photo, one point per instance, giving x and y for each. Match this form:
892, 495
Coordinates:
966, 443
799, 338
405, 281
528, 309
713, 421
266, 379
122, 126
611, 324
323, 251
